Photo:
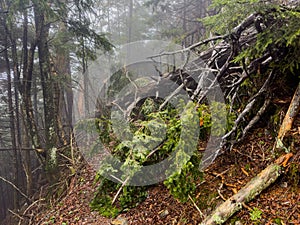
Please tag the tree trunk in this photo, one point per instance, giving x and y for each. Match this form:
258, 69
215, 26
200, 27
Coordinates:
63, 69
130, 21
12, 127
29, 121
49, 90
3, 202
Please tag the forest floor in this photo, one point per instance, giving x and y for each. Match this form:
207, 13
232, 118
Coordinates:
278, 204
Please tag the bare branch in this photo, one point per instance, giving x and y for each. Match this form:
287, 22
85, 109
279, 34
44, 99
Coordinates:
15, 187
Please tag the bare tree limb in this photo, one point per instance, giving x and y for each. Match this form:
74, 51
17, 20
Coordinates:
255, 119
15, 187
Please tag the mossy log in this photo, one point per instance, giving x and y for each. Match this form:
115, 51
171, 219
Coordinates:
259, 183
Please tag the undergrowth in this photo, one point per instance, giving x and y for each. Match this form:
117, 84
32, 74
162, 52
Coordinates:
157, 135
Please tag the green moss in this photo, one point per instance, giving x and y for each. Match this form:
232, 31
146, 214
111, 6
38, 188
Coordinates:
218, 219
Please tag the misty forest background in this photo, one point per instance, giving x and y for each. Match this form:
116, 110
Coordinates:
45, 47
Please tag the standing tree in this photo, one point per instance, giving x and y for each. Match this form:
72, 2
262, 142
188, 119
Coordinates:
40, 44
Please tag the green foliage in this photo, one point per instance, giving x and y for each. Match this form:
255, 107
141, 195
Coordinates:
216, 124
129, 197
149, 123
102, 201
255, 214
173, 134
230, 14
222, 120
88, 38
132, 196
183, 183
204, 120
280, 37
52, 220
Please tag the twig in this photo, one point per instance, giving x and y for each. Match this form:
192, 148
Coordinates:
28, 208
217, 78
201, 214
120, 189
154, 150
15, 187
236, 32
15, 214
220, 194
240, 117
255, 119
116, 178
177, 90
206, 41
250, 105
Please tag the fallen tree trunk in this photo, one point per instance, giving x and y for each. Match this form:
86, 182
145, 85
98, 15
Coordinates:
263, 180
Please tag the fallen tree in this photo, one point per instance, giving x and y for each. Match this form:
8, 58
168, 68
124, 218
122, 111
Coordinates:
251, 63
252, 189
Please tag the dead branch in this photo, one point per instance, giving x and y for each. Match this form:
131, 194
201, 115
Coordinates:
248, 107
16, 188
28, 208
120, 189
290, 115
253, 188
264, 179
255, 119
15, 214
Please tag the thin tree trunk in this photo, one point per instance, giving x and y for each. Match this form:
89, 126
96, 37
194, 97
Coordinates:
30, 122
63, 69
130, 21
48, 88
3, 202
12, 126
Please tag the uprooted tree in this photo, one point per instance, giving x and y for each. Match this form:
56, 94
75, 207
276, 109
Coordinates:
254, 58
